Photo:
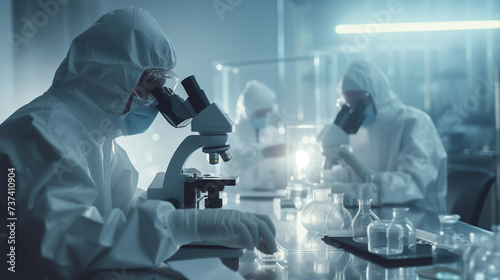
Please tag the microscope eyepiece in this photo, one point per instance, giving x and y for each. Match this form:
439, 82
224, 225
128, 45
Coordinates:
197, 97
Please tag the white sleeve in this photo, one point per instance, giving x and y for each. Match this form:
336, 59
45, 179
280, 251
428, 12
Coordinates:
124, 178
67, 236
77, 238
419, 162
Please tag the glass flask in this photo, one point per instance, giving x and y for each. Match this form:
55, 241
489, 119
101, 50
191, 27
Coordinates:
339, 219
362, 219
478, 241
447, 250
485, 262
313, 215
400, 217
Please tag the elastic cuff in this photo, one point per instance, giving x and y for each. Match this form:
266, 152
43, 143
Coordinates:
191, 221
182, 225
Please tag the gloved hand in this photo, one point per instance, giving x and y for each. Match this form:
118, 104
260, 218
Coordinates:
332, 139
333, 136
232, 228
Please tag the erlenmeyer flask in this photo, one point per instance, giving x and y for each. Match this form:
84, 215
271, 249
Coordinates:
339, 219
362, 219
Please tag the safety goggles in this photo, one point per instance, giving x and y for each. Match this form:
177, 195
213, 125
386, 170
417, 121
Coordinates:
151, 79
262, 113
354, 98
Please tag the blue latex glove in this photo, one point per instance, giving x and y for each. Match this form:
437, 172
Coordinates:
232, 228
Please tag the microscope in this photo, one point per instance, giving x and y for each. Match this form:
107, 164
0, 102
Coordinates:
190, 189
336, 136
185, 189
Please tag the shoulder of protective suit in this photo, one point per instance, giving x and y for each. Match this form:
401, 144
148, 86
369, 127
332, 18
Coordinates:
415, 113
43, 123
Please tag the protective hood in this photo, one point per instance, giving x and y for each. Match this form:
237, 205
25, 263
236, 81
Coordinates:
402, 147
362, 75
255, 96
105, 63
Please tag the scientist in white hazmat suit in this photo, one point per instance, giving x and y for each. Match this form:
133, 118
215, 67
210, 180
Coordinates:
258, 142
75, 192
397, 146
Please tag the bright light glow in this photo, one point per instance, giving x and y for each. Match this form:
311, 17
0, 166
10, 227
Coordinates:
301, 159
218, 67
303, 126
416, 26
155, 137
281, 130
305, 140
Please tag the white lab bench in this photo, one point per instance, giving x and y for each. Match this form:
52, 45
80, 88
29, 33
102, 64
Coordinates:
311, 258
308, 256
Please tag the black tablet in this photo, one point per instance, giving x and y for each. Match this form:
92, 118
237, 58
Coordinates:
422, 256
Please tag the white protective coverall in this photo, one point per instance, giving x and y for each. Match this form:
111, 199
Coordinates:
74, 185
258, 160
402, 147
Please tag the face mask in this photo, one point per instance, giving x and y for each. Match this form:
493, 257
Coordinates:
370, 116
138, 119
260, 123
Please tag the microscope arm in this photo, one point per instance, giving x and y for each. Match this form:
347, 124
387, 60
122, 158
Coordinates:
173, 183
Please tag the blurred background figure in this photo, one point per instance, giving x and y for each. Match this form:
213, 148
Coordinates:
258, 143
394, 146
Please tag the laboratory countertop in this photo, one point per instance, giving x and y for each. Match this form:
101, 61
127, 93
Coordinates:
308, 256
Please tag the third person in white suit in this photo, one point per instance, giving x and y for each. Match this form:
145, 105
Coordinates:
258, 143
397, 146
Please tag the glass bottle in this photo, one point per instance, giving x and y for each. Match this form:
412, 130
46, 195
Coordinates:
400, 217
311, 213
385, 237
478, 241
362, 219
339, 219
447, 250
485, 262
